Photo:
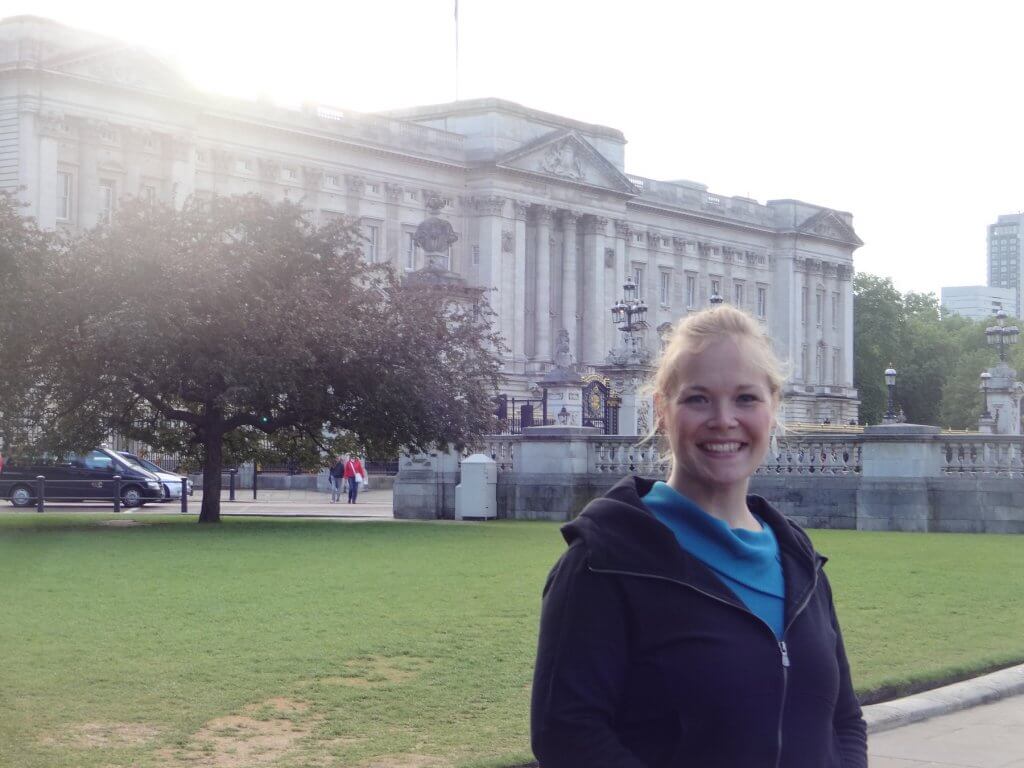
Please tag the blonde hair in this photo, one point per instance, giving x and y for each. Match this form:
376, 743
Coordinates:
695, 333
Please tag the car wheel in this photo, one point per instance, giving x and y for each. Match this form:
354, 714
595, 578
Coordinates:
167, 492
21, 496
131, 496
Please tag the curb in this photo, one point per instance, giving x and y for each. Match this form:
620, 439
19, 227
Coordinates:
941, 701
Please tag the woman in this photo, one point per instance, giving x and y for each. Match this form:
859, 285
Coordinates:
690, 624
354, 475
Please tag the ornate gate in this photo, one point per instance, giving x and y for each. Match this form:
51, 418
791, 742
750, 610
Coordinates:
600, 405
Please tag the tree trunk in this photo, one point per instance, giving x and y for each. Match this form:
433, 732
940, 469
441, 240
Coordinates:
213, 444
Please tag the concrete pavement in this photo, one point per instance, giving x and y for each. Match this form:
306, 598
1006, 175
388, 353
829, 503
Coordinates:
986, 736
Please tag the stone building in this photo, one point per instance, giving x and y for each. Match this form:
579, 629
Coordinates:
545, 212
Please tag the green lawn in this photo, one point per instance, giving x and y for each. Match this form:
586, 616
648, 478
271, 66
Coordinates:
317, 643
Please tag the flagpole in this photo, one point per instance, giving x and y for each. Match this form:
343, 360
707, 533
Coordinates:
456, 50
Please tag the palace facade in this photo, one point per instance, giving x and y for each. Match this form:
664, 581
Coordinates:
546, 215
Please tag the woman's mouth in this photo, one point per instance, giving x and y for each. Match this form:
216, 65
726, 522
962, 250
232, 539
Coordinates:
722, 449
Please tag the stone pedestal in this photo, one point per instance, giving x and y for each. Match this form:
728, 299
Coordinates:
425, 486
551, 473
1004, 396
636, 413
897, 461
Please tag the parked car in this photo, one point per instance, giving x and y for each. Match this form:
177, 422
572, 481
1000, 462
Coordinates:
170, 481
78, 477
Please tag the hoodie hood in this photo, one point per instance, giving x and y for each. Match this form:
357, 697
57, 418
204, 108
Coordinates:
621, 535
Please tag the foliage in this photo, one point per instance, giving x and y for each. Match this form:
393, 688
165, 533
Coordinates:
938, 356
375, 628
234, 329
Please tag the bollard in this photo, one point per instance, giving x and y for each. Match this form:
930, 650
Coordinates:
255, 474
117, 494
40, 492
231, 483
184, 496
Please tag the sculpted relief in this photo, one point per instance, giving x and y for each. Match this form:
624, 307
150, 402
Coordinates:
561, 160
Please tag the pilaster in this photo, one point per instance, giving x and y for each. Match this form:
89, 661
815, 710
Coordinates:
570, 281
594, 327
518, 306
490, 222
542, 290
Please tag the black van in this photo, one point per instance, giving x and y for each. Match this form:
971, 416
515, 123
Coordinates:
78, 477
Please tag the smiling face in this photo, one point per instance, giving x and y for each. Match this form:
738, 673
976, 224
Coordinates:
718, 420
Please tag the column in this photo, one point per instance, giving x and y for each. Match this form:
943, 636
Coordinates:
570, 281
595, 325
356, 185
181, 158
28, 160
492, 251
542, 287
49, 143
517, 310
88, 175
393, 239
846, 322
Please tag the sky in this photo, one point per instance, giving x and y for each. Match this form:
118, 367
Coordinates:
906, 114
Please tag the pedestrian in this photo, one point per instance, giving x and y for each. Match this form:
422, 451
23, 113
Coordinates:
354, 475
688, 623
336, 474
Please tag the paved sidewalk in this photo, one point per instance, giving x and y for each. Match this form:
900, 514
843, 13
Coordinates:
988, 736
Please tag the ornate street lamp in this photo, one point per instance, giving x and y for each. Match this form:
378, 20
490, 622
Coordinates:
1001, 334
714, 299
985, 376
890, 382
629, 315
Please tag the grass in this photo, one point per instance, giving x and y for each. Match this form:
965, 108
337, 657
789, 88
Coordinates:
316, 643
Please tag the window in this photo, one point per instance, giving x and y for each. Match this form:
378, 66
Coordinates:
372, 242
666, 287
737, 294
374, 189
638, 281
476, 254
835, 309
805, 367
106, 202
691, 291
819, 306
332, 180
148, 193
716, 287
804, 300
63, 196
289, 174
410, 251
819, 365
448, 259
762, 302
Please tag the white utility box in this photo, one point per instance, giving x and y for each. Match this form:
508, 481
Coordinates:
476, 497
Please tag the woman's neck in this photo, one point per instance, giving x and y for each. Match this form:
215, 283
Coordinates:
727, 504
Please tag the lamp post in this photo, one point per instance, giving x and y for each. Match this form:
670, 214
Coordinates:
715, 299
985, 376
890, 383
629, 314
1001, 335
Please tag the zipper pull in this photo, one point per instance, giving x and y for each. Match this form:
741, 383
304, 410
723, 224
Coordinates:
785, 653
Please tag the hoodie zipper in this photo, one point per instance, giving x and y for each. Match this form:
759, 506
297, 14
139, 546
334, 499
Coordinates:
783, 650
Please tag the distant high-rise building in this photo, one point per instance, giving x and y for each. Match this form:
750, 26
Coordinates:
979, 302
1004, 254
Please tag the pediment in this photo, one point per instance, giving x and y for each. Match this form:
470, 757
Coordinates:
121, 65
828, 224
566, 156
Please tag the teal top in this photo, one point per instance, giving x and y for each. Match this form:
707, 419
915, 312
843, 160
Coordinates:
746, 561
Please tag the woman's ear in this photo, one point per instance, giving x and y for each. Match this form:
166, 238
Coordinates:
659, 413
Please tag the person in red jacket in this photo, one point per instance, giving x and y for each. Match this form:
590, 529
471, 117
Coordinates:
355, 475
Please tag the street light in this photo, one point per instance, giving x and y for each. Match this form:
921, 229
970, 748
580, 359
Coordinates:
890, 382
629, 315
985, 376
1001, 334
714, 299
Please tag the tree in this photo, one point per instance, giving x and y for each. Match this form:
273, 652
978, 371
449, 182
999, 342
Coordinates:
234, 326
878, 318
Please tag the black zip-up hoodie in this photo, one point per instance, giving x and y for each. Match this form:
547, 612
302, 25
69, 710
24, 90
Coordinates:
647, 660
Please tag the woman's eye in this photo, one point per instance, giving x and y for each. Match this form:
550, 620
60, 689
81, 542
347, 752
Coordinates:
749, 398
694, 399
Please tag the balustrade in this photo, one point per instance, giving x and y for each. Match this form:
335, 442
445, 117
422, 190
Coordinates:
823, 455
978, 456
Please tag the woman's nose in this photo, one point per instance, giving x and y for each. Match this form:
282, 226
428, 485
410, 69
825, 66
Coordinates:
722, 415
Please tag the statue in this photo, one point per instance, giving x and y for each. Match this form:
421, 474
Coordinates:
561, 160
563, 354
